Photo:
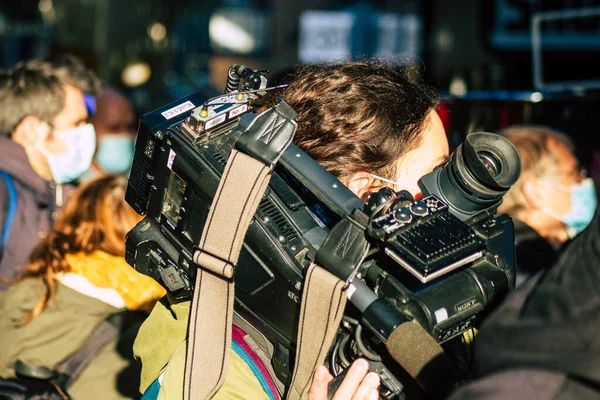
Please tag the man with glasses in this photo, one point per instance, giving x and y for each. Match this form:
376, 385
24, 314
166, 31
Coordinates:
551, 202
46, 143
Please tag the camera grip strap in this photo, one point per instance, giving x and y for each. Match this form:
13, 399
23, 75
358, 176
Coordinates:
241, 188
321, 311
324, 297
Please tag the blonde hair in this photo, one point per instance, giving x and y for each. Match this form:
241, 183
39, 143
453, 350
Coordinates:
537, 159
96, 217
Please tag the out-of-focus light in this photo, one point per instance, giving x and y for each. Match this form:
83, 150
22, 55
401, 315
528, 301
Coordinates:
458, 87
45, 6
136, 73
444, 40
157, 31
230, 35
47, 10
536, 97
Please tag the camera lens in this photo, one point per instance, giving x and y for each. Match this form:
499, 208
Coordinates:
479, 173
486, 165
490, 163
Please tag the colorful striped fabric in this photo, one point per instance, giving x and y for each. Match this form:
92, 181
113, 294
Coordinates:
245, 352
239, 345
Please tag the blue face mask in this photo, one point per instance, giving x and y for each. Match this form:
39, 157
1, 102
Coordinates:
583, 206
115, 153
80, 143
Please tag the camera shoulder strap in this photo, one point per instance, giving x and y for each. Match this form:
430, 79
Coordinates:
321, 311
324, 298
240, 190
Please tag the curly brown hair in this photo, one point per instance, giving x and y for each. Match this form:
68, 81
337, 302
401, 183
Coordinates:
359, 116
96, 217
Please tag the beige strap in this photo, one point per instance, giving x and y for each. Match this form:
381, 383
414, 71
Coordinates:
321, 311
240, 190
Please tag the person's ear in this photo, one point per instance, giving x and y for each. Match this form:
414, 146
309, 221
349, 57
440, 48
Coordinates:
532, 193
360, 183
29, 131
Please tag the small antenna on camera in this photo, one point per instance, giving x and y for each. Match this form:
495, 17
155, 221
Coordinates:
209, 101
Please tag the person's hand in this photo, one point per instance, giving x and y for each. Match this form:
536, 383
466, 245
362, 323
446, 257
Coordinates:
357, 385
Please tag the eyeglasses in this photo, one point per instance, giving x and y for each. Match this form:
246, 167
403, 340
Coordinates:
578, 173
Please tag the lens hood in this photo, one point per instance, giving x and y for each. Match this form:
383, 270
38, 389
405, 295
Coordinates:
479, 173
486, 165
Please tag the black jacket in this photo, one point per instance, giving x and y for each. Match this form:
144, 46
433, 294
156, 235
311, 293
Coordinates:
543, 342
533, 252
38, 204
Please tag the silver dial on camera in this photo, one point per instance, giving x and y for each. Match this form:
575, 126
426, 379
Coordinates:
419, 209
403, 216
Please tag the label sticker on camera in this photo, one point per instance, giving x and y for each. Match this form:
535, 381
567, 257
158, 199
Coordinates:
441, 315
350, 291
215, 121
171, 158
180, 109
237, 111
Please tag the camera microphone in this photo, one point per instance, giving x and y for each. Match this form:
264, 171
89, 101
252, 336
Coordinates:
407, 342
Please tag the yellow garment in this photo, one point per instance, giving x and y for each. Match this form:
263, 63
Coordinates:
104, 270
240, 382
160, 347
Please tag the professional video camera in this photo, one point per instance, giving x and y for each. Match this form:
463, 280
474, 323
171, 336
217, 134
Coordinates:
441, 261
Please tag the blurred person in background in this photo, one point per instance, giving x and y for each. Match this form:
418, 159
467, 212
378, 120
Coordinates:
45, 145
551, 202
76, 278
114, 122
542, 342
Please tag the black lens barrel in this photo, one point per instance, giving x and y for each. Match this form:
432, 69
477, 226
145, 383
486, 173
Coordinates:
479, 173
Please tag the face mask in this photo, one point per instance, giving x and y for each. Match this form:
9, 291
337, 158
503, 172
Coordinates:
81, 144
410, 188
583, 206
115, 153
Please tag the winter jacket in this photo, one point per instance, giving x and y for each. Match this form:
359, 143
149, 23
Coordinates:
59, 331
543, 341
98, 285
38, 205
533, 252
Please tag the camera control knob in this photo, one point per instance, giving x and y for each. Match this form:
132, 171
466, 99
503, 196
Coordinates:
403, 216
419, 209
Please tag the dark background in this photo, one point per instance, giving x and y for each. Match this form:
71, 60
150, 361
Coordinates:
476, 52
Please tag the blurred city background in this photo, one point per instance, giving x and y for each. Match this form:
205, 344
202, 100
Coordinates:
496, 62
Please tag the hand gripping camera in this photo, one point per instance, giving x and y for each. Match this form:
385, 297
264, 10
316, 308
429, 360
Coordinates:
439, 262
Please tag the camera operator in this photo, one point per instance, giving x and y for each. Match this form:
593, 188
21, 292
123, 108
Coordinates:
551, 202
369, 125
46, 145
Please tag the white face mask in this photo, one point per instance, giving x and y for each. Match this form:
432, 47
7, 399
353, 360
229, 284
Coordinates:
71, 164
410, 188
